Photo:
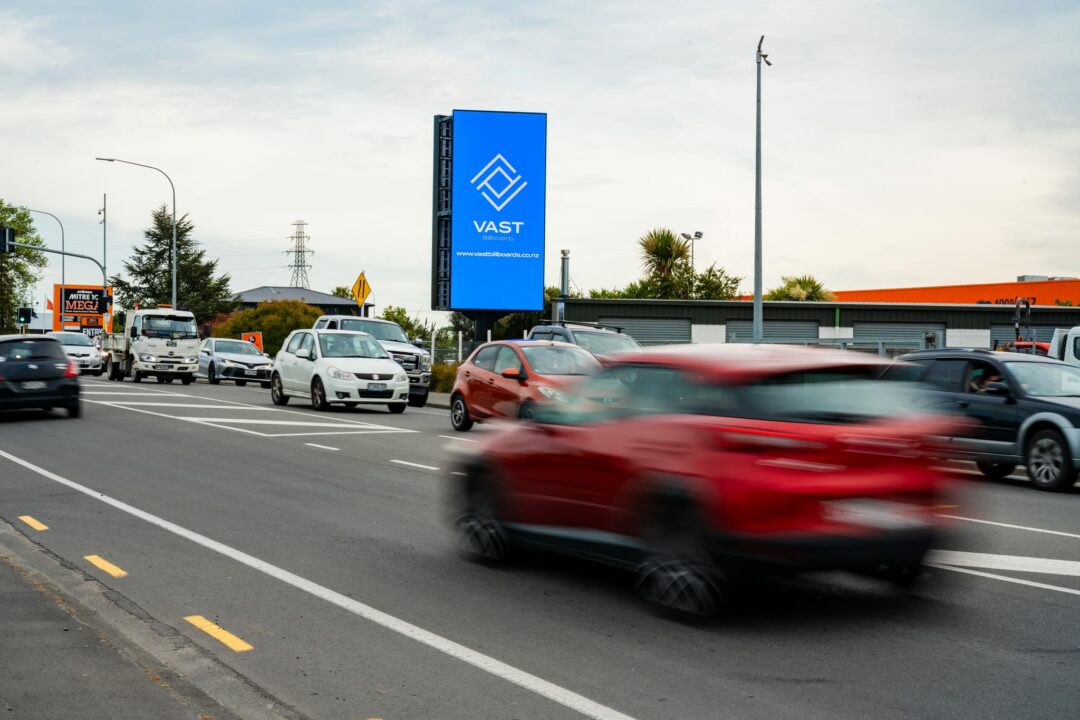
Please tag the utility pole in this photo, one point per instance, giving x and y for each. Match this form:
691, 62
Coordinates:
299, 254
758, 324
104, 264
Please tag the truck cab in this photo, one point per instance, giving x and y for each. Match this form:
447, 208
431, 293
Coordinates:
162, 343
1065, 345
416, 361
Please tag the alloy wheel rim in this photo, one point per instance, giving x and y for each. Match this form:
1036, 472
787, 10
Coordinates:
317, 394
458, 411
1046, 460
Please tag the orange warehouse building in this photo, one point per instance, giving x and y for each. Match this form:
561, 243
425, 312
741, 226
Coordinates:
1042, 291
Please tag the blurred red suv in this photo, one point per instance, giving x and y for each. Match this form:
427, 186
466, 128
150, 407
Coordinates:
692, 465
509, 379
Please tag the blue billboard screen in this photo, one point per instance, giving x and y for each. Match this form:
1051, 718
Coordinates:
497, 215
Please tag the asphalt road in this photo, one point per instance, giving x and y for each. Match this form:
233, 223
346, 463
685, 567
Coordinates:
318, 543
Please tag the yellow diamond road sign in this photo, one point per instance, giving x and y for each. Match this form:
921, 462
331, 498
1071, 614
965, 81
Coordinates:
361, 290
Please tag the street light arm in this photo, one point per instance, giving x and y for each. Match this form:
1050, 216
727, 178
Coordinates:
151, 167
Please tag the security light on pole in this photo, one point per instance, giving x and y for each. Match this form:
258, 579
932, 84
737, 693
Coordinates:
758, 324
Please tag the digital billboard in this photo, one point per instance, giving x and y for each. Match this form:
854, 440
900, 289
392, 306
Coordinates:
82, 307
497, 210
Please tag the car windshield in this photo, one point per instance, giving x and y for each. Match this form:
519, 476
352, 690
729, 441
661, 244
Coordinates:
174, 327
352, 345
549, 360
1046, 379
599, 343
30, 349
379, 330
236, 347
73, 339
822, 395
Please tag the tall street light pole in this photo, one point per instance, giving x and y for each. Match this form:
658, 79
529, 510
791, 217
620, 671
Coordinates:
63, 275
758, 325
692, 239
104, 260
151, 167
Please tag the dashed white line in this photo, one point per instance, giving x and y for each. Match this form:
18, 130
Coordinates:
486, 663
1014, 527
453, 437
322, 447
415, 465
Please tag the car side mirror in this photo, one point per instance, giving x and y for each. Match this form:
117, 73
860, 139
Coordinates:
513, 374
303, 353
418, 342
204, 351
266, 355
997, 388
134, 332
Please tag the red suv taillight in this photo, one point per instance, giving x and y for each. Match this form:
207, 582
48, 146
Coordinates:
72, 369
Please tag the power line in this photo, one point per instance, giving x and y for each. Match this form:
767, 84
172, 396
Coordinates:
299, 252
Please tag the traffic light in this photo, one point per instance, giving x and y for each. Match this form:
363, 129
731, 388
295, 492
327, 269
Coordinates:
25, 314
7, 240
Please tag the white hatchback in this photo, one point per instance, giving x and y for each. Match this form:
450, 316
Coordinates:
337, 366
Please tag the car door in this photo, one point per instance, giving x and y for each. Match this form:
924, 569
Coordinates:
287, 361
505, 393
997, 417
304, 368
946, 376
480, 380
205, 356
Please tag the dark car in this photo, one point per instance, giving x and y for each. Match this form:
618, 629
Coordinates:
600, 340
1025, 410
694, 465
35, 372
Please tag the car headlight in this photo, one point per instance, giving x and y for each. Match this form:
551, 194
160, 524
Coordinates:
552, 394
338, 374
191, 359
147, 357
227, 362
402, 377
425, 362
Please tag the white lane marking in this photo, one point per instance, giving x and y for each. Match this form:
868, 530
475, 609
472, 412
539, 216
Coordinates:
125, 393
415, 465
1014, 527
136, 403
322, 447
1018, 581
283, 423
1016, 563
452, 437
455, 472
488, 664
429, 412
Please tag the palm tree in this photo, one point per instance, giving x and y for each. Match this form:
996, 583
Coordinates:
662, 251
802, 287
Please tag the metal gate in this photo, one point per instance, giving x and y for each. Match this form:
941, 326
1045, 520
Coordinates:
652, 331
743, 330
1007, 333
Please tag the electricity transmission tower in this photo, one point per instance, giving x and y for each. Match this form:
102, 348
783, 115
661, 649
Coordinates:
299, 252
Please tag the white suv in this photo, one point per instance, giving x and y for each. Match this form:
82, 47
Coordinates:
335, 366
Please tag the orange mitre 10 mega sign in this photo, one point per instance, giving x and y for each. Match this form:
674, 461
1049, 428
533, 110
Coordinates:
1036, 292
83, 307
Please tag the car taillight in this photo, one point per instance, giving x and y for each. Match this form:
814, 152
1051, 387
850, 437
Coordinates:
72, 369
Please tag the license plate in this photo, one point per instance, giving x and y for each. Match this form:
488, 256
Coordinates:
883, 514
161, 367
376, 386
251, 372
33, 385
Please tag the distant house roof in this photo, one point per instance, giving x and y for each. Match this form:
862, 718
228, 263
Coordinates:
267, 293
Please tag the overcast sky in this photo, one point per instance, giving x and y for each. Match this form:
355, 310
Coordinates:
904, 143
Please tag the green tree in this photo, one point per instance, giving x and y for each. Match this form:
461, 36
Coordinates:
801, 287
274, 319
342, 292
661, 252
19, 270
714, 283
149, 271
414, 327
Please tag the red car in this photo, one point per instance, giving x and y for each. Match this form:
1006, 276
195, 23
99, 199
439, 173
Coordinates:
693, 464
509, 379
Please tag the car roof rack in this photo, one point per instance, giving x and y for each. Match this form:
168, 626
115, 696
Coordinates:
564, 323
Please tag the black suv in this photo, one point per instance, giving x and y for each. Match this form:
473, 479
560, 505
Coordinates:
597, 339
1025, 408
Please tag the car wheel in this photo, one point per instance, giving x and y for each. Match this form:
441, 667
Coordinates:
480, 534
136, 376
113, 372
677, 574
74, 409
187, 379
459, 414
418, 400
397, 408
995, 471
318, 395
277, 392
527, 411
1048, 462
241, 383
211, 375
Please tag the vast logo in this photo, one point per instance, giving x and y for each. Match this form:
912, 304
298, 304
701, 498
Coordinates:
503, 174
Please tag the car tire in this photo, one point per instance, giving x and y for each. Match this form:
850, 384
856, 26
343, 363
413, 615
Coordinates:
459, 414
136, 376
677, 574
1048, 463
74, 410
481, 535
114, 372
418, 400
995, 471
318, 396
277, 391
527, 411
241, 383
397, 408
187, 379
211, 375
